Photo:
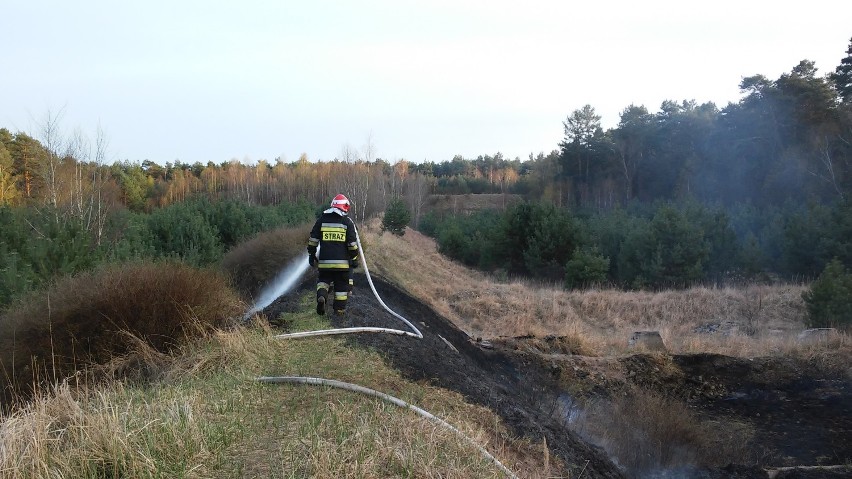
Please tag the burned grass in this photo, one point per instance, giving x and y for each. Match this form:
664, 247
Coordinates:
650, 434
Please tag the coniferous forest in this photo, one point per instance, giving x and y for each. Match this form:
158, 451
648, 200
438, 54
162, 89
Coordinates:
756, 190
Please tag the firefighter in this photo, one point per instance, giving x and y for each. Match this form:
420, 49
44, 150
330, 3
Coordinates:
334, 234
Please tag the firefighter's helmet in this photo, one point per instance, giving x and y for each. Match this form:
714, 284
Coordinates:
340, 202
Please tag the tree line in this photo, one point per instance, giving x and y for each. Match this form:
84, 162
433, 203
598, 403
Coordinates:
653, 245
749, 188
788, 138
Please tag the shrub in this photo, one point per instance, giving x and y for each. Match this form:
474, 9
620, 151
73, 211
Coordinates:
179, 231
199, 231
829, 299
453, 242
666, 251
237, 221
429, 224
38, 245
608, 232
647, 432
396, 217
536, 239
585, 268
550, 241
84, 319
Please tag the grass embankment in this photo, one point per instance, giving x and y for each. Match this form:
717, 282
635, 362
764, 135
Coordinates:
207, 417
754, 320
645, 430
142, 373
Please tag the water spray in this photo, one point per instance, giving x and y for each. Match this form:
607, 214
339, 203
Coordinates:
416, 334
286, 279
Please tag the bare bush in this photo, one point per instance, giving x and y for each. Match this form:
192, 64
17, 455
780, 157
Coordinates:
93, 317
646, 433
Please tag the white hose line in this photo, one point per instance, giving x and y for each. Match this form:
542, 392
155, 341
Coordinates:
372, 392
329, 332
389, 398
373, 287
417, 334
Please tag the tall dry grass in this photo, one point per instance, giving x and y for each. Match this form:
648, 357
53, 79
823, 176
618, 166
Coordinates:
93, 317
110, 432
253, 263
207, 417
653, 436
747, 321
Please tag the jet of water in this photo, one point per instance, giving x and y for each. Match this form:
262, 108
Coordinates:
286, 279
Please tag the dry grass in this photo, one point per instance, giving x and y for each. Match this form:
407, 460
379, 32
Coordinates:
207, 417
252, 263
111, 432
95, 317
751, 321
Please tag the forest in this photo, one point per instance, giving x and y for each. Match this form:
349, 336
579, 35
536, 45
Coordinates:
756, 190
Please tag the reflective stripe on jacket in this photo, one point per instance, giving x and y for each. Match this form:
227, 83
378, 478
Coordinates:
334, 233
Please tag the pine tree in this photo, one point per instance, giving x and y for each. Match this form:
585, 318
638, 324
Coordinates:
396, 217
842, 76
829, 299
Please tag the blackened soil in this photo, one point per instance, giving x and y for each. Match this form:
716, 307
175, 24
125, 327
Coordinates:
800, 411
801, 414
521, 394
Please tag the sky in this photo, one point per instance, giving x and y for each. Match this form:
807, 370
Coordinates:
214, 81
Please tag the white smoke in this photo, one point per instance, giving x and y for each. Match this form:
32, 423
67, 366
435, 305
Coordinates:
286, 279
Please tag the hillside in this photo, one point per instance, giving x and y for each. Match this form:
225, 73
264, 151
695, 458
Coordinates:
750, 321
199, 413
541, 378
735, 385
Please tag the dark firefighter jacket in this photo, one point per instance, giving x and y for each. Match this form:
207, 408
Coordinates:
334, 232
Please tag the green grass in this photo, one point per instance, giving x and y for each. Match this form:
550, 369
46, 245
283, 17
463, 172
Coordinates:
208, 417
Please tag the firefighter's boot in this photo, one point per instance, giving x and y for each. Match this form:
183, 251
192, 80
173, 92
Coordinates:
322, 298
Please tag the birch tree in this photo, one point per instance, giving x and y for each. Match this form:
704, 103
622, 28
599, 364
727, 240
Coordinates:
8, 192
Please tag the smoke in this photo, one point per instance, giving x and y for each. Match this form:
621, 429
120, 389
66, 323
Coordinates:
286, 279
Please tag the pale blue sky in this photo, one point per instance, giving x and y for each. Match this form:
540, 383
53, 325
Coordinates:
425, 80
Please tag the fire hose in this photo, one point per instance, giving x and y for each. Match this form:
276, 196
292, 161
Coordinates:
388, 398
372, 392
416, 334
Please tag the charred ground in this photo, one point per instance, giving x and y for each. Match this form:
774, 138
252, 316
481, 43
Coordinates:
800, 411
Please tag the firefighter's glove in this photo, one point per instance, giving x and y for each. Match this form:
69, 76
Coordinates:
312, 260
355, 264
